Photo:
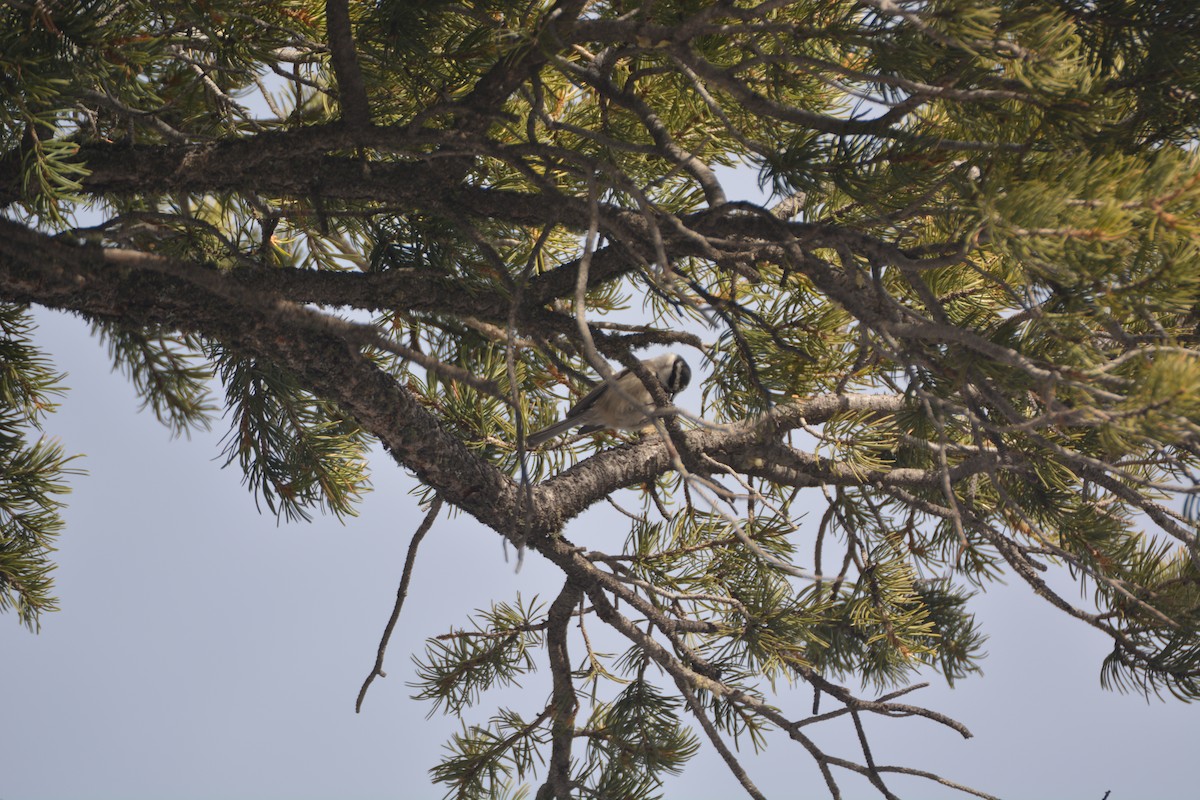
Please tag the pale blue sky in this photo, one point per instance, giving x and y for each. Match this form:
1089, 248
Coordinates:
204, 652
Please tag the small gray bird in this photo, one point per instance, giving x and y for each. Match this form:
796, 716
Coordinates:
603, 407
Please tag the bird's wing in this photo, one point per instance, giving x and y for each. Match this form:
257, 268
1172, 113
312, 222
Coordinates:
589, 399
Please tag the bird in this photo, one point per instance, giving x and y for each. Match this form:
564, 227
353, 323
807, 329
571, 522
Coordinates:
627, 409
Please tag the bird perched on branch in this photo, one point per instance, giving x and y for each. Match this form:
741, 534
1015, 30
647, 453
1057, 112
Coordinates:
623, 403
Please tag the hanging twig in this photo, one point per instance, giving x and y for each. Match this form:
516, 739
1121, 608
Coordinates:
401, 593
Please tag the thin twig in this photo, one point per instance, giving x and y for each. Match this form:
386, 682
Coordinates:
714, 736
401, 593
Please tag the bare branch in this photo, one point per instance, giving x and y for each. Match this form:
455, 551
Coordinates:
409, 562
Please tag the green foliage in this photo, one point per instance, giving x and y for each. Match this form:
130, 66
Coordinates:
296, 450
162, 368
633, 741
31, 473
484, 761
460, 665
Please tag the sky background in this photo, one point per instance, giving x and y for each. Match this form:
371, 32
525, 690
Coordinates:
204, 651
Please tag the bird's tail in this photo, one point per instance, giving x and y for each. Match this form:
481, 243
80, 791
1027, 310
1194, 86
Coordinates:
546, 434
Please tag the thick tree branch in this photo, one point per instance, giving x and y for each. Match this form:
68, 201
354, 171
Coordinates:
352, 93
735, 445
36, 268
563, 703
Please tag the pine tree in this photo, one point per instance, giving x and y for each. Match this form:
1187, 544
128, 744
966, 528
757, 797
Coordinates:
965, 326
